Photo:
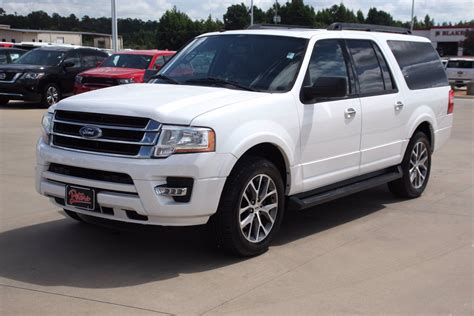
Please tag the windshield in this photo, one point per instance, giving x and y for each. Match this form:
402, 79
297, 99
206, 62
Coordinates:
128, 61
465, 64
40, 57
252, 62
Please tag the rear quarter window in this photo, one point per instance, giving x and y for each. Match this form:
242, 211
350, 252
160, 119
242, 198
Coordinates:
420, 64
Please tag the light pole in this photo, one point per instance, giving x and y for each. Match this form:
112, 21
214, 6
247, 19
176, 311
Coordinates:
114, 27
412, 15
251, 12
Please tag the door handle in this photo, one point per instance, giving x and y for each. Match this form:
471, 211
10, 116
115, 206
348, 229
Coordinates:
398, 106
349, 113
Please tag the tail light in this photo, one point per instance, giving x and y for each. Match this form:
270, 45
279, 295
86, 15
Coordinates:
451, 102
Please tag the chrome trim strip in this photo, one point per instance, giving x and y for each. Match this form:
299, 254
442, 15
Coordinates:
105, 140
155, 127
11, 94
15, 77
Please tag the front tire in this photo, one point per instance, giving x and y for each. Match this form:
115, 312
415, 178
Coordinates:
416, 166
51, 95
251, 208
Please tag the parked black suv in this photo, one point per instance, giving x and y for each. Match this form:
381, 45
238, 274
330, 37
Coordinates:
46, 74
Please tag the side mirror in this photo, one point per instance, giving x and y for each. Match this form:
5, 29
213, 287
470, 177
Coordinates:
325, 88
68, 64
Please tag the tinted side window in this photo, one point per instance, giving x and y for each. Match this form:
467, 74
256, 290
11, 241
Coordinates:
88, 60
367, 66
387, 75
327, 60
73, 57
3, 58
420, 64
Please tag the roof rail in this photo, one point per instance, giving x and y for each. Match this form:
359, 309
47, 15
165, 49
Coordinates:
367, 27
277, 26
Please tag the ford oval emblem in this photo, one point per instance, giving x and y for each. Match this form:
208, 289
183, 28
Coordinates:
90, 132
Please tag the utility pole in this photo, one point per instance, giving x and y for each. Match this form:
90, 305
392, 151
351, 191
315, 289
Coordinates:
114, 27
251, 12
412, 15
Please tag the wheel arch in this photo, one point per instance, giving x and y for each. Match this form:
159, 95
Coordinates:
272, 152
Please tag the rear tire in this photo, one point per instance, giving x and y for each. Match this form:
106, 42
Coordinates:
416, 166
250, 209
74, 216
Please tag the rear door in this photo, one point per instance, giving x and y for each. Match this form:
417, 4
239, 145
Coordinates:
330, 129
382, 105
69, 73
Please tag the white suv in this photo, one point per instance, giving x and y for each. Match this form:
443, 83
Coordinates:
241, 126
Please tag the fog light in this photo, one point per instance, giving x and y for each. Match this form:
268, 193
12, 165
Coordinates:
166, 191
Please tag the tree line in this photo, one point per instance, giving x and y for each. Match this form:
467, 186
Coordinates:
175, 28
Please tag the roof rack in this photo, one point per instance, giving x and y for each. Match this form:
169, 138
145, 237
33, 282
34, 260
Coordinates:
367, 27
277, 26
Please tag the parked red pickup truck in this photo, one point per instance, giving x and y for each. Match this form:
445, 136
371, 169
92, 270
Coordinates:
121, 68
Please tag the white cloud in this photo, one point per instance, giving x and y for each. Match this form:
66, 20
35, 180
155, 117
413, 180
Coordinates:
440, 10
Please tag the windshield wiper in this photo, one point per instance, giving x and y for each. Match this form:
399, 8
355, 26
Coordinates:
222, 82
165, 78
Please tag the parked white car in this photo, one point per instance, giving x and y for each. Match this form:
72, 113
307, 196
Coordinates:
241, 126
460, 71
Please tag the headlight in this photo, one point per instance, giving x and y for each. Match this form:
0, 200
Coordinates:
32, 75
78, 79
179, 139
47, 123
126, 80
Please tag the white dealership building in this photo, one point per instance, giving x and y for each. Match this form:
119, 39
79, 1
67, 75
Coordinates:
448, 40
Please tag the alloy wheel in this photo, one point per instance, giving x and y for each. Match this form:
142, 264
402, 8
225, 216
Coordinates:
418, 165
258, 208
52, 95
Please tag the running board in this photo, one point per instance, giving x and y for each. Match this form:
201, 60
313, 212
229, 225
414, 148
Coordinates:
332, 192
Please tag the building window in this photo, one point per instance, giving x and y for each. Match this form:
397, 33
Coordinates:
60, 40
13, 40
4, 40
33, 40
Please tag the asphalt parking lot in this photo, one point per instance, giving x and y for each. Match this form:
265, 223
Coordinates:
368, 253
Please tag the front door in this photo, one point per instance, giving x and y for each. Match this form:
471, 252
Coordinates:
330, 130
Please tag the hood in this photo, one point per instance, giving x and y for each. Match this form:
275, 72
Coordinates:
165, 103
112, 72
23, 67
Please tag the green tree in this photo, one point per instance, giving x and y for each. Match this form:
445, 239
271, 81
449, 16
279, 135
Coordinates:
237, 17
297, 13
375, 16
360, 17
175, 28
337, 13
468, 43
428, 21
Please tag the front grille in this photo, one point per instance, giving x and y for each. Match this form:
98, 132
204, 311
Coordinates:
9, 76
119, 135
98, 81
91, 174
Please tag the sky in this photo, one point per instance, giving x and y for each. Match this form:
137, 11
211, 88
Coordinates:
440, 10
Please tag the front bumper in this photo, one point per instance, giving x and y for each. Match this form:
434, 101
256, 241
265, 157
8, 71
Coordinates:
208, 170
20, 91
